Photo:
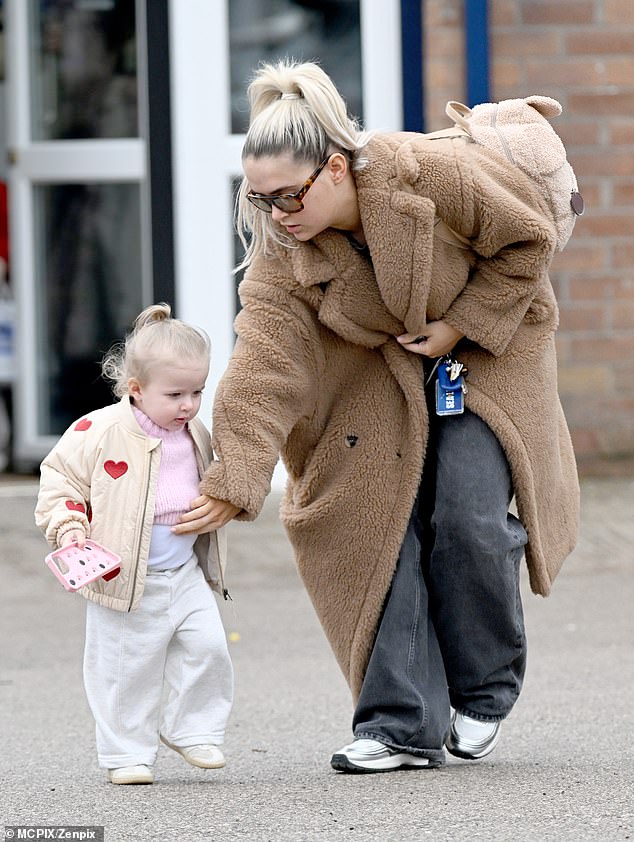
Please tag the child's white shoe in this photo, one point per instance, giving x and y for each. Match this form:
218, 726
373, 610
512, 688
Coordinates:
203, 756
131, 775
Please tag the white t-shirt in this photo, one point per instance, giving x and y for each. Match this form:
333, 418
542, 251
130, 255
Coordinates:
167, 550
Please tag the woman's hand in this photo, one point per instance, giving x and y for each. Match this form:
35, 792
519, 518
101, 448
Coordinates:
206, 515
439, 339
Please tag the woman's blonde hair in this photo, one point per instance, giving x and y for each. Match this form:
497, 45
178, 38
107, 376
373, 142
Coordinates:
156, 338
295, 109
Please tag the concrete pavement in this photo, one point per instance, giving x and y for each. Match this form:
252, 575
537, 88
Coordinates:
564, 768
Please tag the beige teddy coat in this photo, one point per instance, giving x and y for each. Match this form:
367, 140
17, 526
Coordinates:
318, 376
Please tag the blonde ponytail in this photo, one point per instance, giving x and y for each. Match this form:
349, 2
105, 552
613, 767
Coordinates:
295, 109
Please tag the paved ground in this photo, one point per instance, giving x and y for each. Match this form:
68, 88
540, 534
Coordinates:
564, 769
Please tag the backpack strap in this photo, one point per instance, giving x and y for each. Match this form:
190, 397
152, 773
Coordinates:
448, 235
441, 229
450, 131
459, 113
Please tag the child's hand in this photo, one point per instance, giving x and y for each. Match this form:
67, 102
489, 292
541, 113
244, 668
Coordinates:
76, 535
206, 515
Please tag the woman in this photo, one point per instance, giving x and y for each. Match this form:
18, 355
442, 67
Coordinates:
398, 517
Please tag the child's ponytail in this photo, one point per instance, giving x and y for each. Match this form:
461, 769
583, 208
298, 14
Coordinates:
153, 313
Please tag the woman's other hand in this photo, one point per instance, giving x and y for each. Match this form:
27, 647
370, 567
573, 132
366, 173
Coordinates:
439, 339
206, 515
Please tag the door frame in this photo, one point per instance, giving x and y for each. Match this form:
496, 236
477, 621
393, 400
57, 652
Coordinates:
34, 163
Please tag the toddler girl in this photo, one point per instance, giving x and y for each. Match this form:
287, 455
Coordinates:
156, 663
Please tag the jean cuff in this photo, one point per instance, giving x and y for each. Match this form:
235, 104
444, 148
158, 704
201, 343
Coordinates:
480, 718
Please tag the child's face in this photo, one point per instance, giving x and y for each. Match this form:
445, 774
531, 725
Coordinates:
171, 397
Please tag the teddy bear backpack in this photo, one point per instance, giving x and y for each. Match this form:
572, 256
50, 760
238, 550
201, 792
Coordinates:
518, 129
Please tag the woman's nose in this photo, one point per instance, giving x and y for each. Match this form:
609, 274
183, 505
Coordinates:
277, 214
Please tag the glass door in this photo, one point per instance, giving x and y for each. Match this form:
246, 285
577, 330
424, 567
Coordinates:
79, 215
214, 49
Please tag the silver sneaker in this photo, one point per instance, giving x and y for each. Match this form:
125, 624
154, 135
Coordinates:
372, 756
471, 738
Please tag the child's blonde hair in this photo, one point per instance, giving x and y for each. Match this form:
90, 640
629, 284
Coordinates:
155, 338
297, 110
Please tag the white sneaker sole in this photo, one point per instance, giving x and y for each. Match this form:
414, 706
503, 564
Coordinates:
129, 778
402, 760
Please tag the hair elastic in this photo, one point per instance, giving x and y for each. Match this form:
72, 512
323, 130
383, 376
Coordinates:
292, 95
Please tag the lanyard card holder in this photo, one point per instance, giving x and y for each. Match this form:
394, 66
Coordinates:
450, 388
75, 567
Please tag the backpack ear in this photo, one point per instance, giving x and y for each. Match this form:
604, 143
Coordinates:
545, 105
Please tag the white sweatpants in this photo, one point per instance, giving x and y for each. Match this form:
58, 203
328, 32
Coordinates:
160, 670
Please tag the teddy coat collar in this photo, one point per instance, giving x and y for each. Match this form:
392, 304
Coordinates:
394, 294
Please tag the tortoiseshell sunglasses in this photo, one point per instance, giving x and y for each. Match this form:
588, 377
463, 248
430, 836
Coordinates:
287, 202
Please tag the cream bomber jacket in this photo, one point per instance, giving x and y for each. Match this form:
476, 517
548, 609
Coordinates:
101, 477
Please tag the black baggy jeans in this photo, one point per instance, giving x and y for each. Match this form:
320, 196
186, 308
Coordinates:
452, 628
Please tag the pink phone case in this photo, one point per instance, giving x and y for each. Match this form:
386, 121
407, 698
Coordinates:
75, 568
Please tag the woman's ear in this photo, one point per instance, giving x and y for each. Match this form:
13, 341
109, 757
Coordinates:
338, 167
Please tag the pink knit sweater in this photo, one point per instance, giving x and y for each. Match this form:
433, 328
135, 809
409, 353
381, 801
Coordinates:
178, 472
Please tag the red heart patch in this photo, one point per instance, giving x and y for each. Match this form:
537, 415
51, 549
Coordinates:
115, 469
83, 424
75, 507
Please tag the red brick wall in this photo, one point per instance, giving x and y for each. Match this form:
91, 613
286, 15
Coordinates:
581, 52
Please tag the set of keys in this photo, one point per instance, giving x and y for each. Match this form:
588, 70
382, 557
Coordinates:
450, 386
456, 369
